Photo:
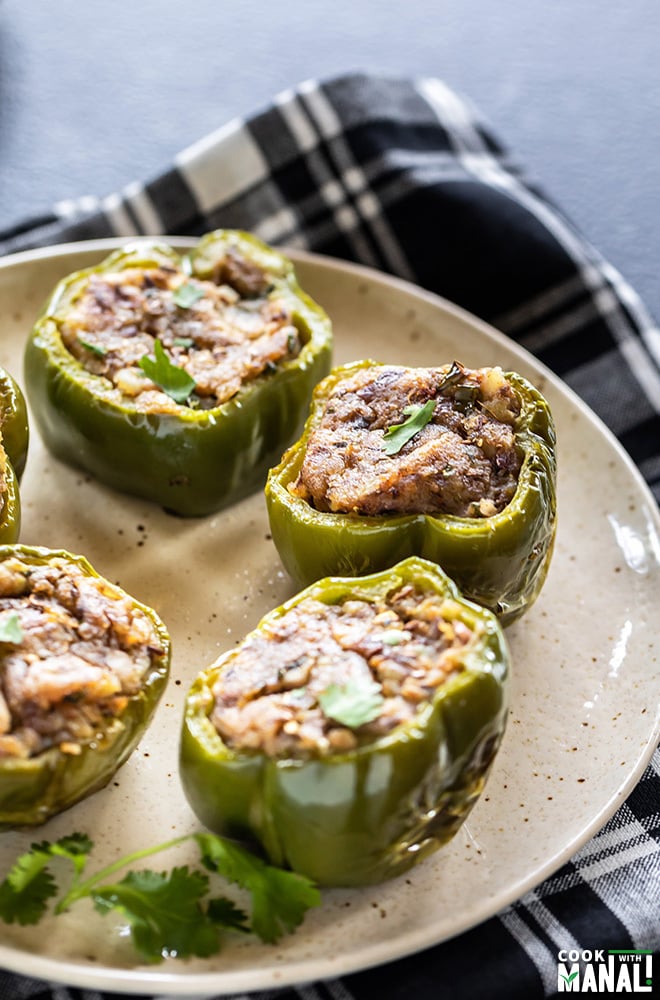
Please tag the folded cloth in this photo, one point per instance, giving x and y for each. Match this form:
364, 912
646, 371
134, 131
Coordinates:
404, 176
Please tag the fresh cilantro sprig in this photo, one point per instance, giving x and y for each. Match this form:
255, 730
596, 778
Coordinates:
169, 914
354, 703
176, 382
10, 629
397, 435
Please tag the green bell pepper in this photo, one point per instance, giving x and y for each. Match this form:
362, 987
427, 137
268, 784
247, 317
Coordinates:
192, 461
359, 816
34, 788
14, 437
499, 561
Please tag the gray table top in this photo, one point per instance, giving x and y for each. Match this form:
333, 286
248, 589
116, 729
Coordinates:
94, 96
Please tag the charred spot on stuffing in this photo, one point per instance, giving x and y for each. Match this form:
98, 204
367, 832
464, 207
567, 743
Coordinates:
243, 275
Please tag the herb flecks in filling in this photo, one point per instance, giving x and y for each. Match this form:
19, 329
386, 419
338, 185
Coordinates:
220, 333
325, 678
73, 650
414, 441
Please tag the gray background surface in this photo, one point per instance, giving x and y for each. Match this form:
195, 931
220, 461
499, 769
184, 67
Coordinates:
94, 95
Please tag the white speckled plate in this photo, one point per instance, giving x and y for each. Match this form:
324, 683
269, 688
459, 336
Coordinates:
583, 717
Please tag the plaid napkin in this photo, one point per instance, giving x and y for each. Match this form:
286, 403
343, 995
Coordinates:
404, 176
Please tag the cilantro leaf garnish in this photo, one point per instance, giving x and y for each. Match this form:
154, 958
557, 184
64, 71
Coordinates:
225, 913
25, 892
97, 349
10, 629
29, 905
75, 847
168, 914
173, 380
163, 911
29, 884
354, 703
183, 341
279, 898
187, 294
399, 434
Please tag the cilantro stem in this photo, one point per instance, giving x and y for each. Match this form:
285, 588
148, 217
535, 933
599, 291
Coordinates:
80, 889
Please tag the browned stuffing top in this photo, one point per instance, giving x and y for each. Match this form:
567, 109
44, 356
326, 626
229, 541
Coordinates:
83, 649
270, 694
223, 332
463, 461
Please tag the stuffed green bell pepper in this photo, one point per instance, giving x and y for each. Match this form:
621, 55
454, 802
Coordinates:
13, 455
351, 732
82, 667
178, 379
453, 464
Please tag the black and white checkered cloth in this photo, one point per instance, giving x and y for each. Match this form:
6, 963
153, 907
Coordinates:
403, 175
